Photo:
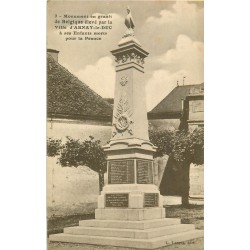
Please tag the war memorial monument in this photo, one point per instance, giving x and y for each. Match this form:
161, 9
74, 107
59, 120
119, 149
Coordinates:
130, 209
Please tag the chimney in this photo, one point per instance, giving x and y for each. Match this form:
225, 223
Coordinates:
54, 53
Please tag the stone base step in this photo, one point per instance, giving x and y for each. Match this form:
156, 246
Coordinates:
128, 242
130, 214
130, 224
130, 233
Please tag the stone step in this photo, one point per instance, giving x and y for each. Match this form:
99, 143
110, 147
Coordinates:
162, 231
130, 214
130, 224
129, 233
128, 242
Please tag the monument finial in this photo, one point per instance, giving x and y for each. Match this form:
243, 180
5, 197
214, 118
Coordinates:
129, 22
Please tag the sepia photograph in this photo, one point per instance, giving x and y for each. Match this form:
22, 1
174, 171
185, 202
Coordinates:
125, 125
105, 128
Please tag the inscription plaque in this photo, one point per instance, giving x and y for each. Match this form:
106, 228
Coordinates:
116, 200
151, 200
121, 172
144, 172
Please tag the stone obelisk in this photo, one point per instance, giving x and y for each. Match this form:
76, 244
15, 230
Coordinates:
130, 193
130, 212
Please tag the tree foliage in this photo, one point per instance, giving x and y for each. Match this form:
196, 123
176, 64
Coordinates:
54, 147
183, 146
74, 153
88, 152
163, 139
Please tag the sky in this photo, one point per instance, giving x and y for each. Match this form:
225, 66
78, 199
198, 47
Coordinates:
171, 31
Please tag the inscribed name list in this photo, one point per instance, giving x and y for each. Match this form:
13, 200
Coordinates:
117, 200
121, 172
151, 199
144, 172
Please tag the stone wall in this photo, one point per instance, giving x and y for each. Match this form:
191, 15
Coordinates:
60, 128
196, 180
70, 190
196, 110
73, 190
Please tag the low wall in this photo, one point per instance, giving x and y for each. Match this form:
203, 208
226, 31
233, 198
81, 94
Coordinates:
73, 190
70, 190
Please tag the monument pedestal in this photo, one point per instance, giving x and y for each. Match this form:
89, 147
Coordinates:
130, 209
141, 234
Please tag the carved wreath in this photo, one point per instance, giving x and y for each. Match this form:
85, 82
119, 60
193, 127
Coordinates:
122, 118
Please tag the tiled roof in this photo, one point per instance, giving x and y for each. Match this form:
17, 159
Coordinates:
68, 97
171, 105
109, 100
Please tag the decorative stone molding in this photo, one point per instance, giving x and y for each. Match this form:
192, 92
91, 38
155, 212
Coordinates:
130, 57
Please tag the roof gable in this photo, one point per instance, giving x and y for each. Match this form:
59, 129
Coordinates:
172, 103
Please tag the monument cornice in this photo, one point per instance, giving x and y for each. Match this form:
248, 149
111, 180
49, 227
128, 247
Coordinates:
129, 51
128, 66
131, 146
129, 47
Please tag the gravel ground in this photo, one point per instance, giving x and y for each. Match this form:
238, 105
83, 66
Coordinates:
188, 245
